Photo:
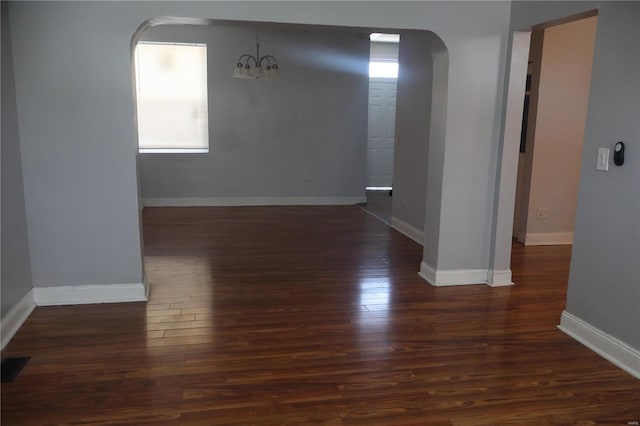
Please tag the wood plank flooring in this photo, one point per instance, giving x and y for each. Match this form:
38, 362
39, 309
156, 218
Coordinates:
312, 316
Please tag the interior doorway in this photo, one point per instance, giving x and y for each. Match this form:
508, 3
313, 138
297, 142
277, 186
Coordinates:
383, 79
504, 229
554, 118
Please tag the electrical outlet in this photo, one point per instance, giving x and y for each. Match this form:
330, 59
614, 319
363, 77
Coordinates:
542, 213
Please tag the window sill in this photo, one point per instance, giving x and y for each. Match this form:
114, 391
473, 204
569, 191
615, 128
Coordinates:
173, 150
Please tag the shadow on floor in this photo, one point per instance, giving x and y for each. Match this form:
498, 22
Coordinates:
379, 205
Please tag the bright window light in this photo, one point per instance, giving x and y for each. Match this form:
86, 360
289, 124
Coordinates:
171, 92
384, 38
383, 69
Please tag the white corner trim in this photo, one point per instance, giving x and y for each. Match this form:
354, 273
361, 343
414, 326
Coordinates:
427, 273
452, 276
601, 343
499, 278
16, 316
86, 294
251, 201
548, 239
409, 230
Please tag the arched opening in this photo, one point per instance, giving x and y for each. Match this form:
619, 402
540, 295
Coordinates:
420, 138
419, 185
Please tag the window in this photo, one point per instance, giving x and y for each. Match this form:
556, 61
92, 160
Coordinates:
383, 55
383, 69
171, 89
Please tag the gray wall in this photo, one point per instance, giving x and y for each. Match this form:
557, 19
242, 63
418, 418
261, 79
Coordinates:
75, 118
75, 110
16, 270
604, 282
301, 134
413, 113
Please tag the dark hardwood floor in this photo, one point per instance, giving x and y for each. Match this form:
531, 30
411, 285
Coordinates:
312, 316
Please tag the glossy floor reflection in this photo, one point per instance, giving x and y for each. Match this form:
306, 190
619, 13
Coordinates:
311, 316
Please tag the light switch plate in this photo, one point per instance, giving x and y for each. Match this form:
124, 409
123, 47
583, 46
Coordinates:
602, 163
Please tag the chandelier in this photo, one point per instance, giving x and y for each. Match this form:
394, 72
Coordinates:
257, 66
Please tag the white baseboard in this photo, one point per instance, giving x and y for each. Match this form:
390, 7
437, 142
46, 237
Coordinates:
452, 276
16, 316
68, 295
409, 230
601, 343
86, 294
427, 273
549, 239
500, 278
465, 276
252, 201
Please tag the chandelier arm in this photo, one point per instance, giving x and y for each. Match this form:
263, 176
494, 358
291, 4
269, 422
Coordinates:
248, 58
269, 58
